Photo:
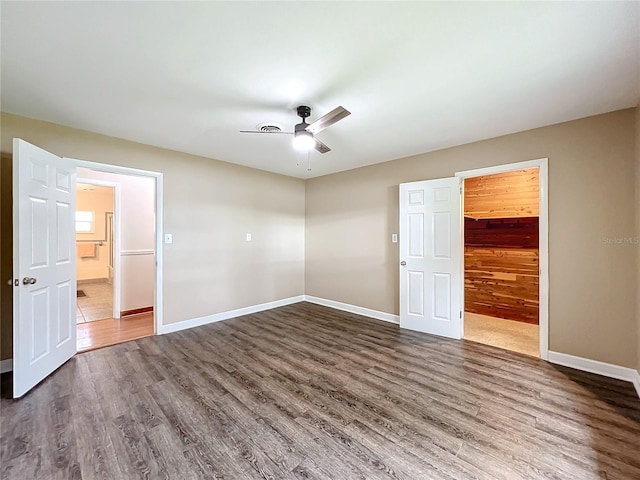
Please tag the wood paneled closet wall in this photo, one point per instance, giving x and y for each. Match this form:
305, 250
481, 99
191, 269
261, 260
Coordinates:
501, 254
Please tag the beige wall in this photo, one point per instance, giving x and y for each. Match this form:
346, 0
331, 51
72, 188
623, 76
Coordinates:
137, 234
6, 305
350, 217
99, 202
209, 206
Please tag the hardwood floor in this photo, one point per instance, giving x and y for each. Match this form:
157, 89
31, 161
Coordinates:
110, 331
307, 392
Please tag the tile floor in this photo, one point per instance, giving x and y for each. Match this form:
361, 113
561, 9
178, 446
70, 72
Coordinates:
498, 332
97, 304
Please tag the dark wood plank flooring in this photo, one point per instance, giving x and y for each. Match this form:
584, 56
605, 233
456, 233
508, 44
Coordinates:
307, 392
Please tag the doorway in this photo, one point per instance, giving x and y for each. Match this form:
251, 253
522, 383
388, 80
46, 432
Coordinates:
115, 235
501, 260
505, 257
431, 248
95, 204
44, 282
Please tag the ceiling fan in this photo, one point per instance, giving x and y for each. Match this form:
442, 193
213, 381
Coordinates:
303, 133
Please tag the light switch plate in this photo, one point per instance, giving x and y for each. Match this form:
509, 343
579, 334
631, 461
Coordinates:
394, 238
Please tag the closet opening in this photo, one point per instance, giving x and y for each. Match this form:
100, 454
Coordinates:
502, 260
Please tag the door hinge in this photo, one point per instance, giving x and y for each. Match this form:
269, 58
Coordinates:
460, 314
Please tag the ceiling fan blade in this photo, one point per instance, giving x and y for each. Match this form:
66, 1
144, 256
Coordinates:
321, 147
266, 133
329, 119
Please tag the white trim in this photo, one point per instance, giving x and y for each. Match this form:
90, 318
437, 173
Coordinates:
217, 317
111, 168
367, 312
117, 263
158, 310
543, 165
126, 253
543, 251
636, 382
117, 282
507, 167
6, 365
158, 294
599, 368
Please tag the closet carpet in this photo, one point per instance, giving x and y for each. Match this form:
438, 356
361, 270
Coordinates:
508, 334
308, 392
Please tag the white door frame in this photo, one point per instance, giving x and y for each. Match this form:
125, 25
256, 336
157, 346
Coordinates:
117, 284
158, 177
543, 167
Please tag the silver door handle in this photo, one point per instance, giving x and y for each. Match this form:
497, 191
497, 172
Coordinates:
32, 281
28, 281
403, 263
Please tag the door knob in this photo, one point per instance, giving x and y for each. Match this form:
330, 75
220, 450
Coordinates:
32, 281
28, 281
403, 263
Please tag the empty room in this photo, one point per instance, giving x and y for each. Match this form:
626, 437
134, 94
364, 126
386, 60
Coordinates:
320, 240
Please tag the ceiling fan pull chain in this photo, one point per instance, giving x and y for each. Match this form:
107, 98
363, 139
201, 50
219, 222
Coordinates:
308, 161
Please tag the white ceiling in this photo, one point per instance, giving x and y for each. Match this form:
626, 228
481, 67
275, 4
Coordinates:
417, 76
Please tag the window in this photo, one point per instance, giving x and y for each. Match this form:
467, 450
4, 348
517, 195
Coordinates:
85, 222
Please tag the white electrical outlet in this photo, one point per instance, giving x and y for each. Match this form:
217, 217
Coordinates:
394, 238
248, 237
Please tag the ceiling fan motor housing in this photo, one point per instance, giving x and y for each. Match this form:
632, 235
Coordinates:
303, 111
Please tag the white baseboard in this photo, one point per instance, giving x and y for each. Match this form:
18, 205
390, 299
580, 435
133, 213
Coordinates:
599, 368
367, 312
636, 382
217, 317
6, 365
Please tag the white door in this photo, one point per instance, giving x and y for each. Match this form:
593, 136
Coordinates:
430, 257
44, 300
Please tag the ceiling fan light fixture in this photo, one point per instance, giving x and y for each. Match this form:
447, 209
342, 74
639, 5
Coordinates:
303, 133
303, 141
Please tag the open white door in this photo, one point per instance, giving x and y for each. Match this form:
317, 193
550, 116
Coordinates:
44, 265
430, 257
